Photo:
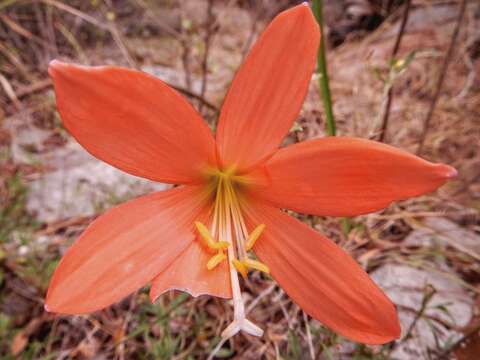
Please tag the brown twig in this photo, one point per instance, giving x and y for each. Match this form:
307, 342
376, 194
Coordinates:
196, 97
117, 37
19, 29
161, 24
186, 61
77, 13
11, 95
186, 52
15, 60
52, 42
309, 336
40, 52
108, 26
441, 78
388, 104
253, 31
209, 26
33, 88
46, 83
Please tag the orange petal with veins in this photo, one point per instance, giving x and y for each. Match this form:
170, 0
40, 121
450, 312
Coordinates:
133, 121
268, 90
322, 279
346, 176
189, 273
124, 249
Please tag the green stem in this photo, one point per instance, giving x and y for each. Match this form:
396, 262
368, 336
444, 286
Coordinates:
323, 82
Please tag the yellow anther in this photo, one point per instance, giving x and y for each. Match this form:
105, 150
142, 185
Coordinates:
208, 239
254, 236
257, 265
215, 260
219, 245
241, 268
203, 231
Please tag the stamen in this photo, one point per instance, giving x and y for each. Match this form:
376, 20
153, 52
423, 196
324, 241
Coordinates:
215, 260
235, 213
257, 265
208, 239
241, 268
254, 236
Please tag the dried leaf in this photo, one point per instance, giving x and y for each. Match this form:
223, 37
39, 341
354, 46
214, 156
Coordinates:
19, 343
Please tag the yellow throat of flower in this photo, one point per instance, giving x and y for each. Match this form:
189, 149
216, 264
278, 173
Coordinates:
228, 230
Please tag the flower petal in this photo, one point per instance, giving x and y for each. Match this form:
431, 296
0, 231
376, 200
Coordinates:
133, 121
189, 273
124, 249
322, 279
347, 176
268, 90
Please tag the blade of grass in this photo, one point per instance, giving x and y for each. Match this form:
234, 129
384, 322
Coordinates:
323, 82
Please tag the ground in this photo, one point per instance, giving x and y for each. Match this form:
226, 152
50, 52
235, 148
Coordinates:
424, 252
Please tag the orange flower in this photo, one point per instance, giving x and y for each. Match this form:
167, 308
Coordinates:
198, 236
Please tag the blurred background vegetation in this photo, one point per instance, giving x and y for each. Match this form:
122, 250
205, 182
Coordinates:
404, 72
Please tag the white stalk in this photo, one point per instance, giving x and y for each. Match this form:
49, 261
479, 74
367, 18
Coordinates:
240, 321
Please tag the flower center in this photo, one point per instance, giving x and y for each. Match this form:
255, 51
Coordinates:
228, 232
